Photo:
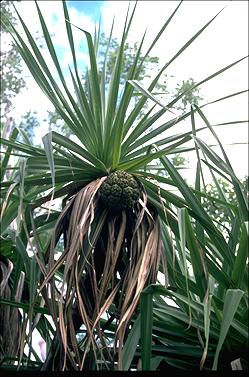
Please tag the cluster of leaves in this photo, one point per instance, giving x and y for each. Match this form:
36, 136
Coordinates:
218, 210
149, 64
29, 123
107, 262
191, 94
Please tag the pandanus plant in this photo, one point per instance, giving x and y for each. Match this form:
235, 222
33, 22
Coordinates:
104, 245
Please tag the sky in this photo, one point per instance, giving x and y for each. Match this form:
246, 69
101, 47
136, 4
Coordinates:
222, 43
90, 8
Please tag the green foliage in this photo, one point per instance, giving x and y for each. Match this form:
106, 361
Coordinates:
87, 266
191, 94
221, 211
11, 80
148, 64
29, 124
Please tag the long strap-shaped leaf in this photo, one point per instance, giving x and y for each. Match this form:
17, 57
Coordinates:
5, 161
78, 88
142, 101
50, 91
86, 131
131, 343
215, 158
218, 238
240, 264
142, 125
162, 142
70, 145
222, 98
103, 75
16, 145
184, 136
45, 80
91, 140
232, 300
156, 131
212, 252
113, 130
146, 307
47, 142
197, 258
199, 175
160, 32
114, 84
138, 131
94, 87
117, 133
205, 80
133, 139
149, 95
143, 160
134, 75
237, 185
